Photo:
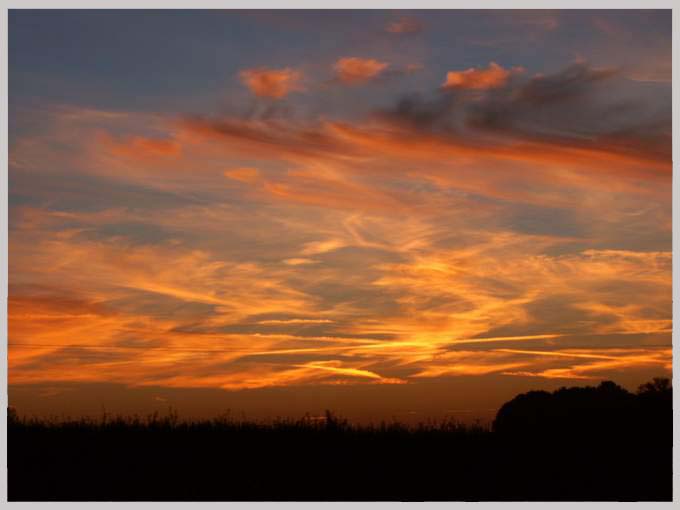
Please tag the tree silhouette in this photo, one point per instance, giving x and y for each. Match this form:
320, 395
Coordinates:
656, 386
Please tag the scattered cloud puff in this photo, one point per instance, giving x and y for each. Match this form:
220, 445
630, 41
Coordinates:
272, 83
405, 25
492, 77
355, 70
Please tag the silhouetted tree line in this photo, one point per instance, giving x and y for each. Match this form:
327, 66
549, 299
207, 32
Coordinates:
587, 443
575, 412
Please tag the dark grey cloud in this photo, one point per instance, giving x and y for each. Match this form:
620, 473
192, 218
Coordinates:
578, 107
568, 83
536, 220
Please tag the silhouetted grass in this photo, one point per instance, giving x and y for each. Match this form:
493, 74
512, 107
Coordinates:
578, 444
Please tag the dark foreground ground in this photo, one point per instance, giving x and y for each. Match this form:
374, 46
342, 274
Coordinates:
598, 443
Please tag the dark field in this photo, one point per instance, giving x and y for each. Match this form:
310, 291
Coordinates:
596, 443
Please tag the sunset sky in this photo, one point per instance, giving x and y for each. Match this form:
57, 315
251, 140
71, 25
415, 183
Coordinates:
390, 214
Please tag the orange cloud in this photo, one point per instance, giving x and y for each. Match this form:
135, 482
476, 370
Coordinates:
243, 174
602, 361
612, 158
479, 79
272, 83
298, 261
442, 299
405, 25
354, 70
359, 150
139, 147
316, 247
342, 165
336, 367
